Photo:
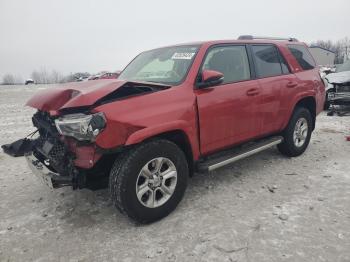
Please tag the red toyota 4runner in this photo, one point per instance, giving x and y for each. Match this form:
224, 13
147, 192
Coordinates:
173, 111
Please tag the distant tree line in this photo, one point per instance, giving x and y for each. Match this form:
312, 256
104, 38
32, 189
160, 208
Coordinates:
10, 79
341, 48
42, 76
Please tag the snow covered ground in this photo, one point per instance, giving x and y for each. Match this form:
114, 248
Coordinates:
264, 208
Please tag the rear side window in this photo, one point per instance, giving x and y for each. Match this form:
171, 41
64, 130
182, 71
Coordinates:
267, 60
231, 61
303, 56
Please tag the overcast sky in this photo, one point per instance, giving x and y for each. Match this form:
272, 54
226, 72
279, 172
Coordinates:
83, 35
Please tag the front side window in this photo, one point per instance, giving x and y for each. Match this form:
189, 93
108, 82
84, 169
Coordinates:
231, 61
167, 65
303, 56
267, 60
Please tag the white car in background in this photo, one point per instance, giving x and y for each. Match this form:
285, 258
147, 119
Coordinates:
338, 86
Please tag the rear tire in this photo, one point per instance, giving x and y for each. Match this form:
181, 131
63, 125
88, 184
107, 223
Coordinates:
149, 181
297, 133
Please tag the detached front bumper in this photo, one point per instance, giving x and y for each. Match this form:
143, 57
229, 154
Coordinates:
58, 164
46, 176
58, 160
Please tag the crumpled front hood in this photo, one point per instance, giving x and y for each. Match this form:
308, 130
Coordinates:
338, 78
81, 94
74, 94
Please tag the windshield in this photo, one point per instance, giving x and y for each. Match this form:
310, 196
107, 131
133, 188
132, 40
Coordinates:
167, 65
344, 67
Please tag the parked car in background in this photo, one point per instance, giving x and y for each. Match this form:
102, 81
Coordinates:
173, 111
29, 81
338, 89
94, 77
81, 78
107, 75
78, 77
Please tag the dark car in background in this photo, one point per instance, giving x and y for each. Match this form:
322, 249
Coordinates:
29, 81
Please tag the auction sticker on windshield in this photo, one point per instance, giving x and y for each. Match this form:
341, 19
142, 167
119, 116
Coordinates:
182, 56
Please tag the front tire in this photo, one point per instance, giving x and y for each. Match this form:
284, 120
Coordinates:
149, 181
297, 134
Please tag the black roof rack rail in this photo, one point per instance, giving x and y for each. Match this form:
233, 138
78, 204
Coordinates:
251, 37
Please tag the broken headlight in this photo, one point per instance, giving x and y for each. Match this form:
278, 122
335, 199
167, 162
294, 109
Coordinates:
81, 126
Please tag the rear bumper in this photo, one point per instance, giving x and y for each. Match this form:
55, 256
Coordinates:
46, 176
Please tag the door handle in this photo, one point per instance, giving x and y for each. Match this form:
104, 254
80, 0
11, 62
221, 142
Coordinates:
292, 84
252, 92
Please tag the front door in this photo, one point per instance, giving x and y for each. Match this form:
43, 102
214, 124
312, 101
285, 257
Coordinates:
228, 112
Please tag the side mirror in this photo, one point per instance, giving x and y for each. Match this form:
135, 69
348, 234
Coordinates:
210, 78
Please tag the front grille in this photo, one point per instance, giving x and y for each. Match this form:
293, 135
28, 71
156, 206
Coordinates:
49, 145
343, 88
57, 152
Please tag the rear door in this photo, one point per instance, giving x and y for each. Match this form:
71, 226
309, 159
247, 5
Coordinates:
277, 86
308, 74
228, 112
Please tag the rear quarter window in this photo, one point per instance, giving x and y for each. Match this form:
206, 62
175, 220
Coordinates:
303, 56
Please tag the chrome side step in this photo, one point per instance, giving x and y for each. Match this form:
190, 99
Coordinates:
234, 155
